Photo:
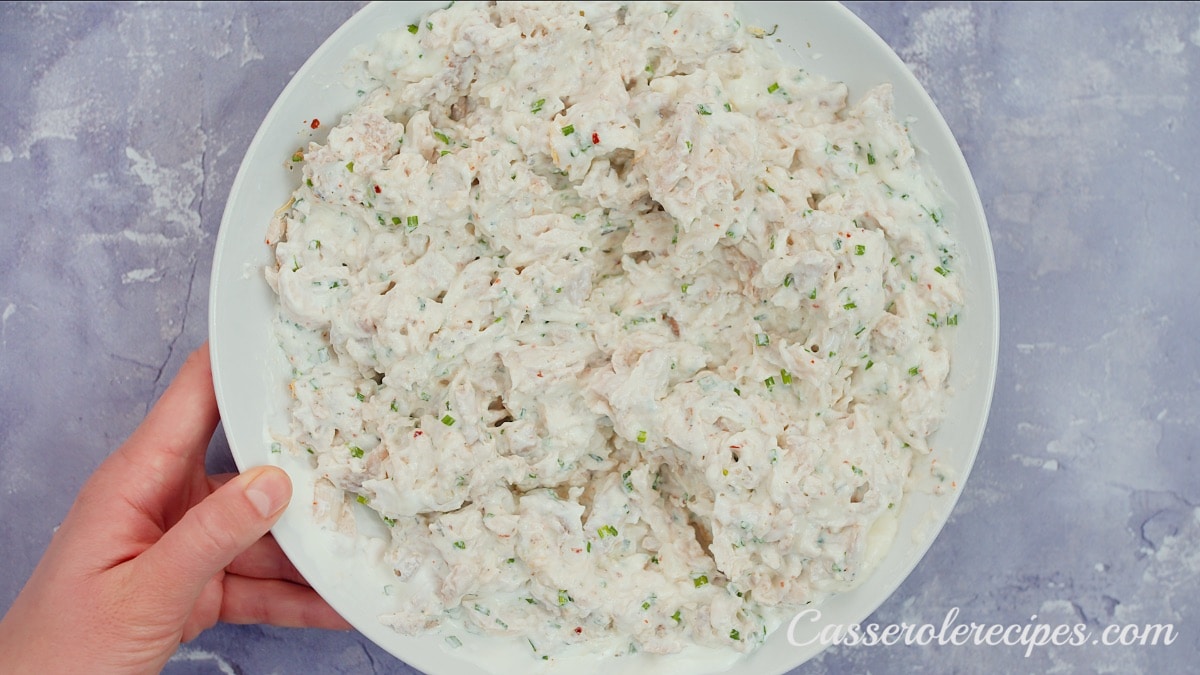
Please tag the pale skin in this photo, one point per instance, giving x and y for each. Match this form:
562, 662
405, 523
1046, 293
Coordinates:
154, 551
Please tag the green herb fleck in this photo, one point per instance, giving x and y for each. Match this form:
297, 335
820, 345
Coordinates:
356, 452
448, 420
857, 471
735, 635
941, 270
773, 87
762, 340
412, 222
606, 531
870, 158
703, 109
859, 249
641, 436
362, 499
390, 522
849, 305
537, 106
563, 598
442, 137
568, 130
785, 377
913, 371
413, 28
460, 545
788, 280
770, 382
676, 617
350, 167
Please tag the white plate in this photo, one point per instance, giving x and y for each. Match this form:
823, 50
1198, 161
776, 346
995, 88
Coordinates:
250, 376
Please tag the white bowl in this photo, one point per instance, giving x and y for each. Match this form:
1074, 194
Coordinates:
250, 375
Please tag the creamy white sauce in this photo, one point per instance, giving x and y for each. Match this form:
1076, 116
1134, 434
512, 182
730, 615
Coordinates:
627, 330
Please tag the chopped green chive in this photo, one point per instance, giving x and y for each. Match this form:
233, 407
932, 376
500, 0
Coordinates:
735, 635
684, 288
869, 364
689, 145
762, 340
412, 222
941, 270
563, 598
360, 396
952, 320
412, 28
788, 280
857, 471
700, 580
913, 371
308, 182
297, 156
442, 137
870, 158
362, 499
641, 437
356, 452
849, 305
606, 531
578, 216
703, 109
728, 107
393, 407
812, 294
460, 545
350, 167
568, 130
396, 220
770, 382
859, 249
390, 522
676, 616
537, 106
774, 87
785, 377
646, 605
448, 420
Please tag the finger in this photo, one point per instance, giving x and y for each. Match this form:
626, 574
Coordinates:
279, 603
175, 435
265, 560
217, 480
156, 467
214, 532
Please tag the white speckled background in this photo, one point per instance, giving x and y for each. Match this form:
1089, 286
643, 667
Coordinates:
122, 126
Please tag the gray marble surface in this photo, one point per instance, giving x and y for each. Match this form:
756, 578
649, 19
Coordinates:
122, 127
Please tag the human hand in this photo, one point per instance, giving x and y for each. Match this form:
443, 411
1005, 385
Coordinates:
154, 551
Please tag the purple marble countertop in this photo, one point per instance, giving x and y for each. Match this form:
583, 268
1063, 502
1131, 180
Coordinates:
123, 126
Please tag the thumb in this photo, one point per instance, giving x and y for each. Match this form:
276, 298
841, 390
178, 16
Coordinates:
212, 533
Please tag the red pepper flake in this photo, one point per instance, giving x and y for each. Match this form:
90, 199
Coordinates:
539, 374
579, 630
418, 433
595, 138
377, 189
315, 123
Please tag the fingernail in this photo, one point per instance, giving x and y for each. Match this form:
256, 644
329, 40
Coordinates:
269, 491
